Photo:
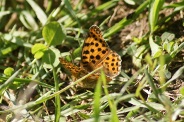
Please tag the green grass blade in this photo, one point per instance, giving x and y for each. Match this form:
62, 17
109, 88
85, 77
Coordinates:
155, 7
126, 21
9, 81
57, 98
39, 12
97, 96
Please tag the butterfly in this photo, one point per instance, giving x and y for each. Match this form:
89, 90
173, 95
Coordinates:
95, 53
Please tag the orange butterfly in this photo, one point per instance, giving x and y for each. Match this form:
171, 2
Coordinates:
95, 53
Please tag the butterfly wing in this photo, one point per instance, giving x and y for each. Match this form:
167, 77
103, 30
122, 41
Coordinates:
76, 71
112, 64
95, 53
95, 49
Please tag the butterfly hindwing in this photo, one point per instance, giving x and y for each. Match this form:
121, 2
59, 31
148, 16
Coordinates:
112, 64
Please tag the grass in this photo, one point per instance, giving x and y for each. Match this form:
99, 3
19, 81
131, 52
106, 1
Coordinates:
35, 87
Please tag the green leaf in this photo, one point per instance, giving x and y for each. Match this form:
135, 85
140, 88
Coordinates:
168, 46
155, 6
39, 12
77, 52
166, 36
51, 57
28, 20
38, 50
38, 54
97, 96
155, 48
8, 71
8, 49
182, 90
137, 40
38, 47
53, 33
176, 75
138, 55
130, 2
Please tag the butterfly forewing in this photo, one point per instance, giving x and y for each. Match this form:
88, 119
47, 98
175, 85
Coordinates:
95, 49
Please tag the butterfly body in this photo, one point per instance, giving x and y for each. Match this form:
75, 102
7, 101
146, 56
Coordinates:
95, 53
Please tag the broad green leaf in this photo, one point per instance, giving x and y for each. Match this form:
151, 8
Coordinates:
38, 50
38, 47
38, 54
8, 71
51, 57
53, 33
